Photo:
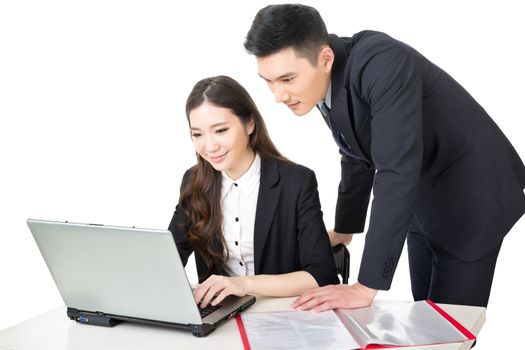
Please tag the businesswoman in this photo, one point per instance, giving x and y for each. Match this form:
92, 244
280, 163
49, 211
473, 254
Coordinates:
252, 217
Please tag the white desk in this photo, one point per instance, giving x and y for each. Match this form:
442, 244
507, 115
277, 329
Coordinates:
54, 331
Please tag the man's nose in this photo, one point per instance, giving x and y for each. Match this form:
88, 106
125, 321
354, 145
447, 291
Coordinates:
281, 94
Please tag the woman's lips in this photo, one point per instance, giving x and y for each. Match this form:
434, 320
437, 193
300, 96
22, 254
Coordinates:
217, 159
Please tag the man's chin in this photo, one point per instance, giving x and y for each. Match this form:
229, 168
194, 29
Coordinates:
299, 109
299, 112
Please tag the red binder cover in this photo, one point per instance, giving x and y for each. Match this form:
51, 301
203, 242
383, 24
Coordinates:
450, 319
244, 338
445, 315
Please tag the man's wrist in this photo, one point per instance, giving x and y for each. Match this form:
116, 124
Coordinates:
369, 292
342, 238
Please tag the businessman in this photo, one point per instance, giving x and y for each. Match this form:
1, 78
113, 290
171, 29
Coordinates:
444, 176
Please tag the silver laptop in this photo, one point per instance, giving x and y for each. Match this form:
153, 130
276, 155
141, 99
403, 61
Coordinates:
109, 274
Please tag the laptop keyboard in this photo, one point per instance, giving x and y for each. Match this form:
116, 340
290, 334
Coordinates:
208, 310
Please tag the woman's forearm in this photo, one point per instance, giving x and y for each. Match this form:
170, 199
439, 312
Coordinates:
284, 285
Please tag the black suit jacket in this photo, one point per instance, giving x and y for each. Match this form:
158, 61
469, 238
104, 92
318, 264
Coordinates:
428, 149
289, 233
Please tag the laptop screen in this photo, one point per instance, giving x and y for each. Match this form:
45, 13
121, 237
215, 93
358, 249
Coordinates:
117, 270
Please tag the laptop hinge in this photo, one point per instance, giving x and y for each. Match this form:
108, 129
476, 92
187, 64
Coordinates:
93, 318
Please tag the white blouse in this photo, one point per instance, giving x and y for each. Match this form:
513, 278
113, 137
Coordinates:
239, 204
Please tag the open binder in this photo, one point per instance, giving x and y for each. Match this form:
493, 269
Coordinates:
375, 327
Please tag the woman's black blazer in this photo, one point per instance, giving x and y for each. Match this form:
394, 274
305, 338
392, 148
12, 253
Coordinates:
289, 233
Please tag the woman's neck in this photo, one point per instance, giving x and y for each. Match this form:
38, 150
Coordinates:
243, 166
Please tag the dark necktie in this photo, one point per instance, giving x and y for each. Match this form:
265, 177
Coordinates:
338, 137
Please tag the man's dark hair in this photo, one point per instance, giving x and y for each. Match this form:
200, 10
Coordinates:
278, 27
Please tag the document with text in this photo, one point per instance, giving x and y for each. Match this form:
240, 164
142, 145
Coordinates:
390, 324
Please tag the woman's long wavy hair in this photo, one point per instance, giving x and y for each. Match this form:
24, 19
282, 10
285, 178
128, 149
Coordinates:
201, 191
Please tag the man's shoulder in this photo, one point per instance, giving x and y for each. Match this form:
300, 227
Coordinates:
368, 44
369, 41
365, 37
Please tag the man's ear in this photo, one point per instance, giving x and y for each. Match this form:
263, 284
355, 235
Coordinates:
326, 58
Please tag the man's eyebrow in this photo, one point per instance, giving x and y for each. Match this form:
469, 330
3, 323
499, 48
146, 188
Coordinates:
283, 76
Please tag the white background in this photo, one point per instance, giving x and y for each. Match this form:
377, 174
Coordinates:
93, 129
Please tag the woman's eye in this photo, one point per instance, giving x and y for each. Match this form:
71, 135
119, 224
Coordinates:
195, 135
221, 131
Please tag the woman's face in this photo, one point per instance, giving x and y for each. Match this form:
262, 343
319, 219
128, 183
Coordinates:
221, 139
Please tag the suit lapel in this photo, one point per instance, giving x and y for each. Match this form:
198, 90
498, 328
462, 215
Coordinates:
269, 192
341, 105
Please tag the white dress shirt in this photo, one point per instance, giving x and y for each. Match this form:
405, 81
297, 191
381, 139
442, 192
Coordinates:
239, 204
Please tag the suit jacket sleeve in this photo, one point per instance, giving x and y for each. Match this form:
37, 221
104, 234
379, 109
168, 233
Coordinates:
178, 228
393, 87
353, 196
314, 249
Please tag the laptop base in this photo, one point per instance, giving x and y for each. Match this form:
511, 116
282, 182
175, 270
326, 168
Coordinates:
96, 319
101, 319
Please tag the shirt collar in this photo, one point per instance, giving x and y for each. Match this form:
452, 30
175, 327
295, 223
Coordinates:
328, 98
246, 181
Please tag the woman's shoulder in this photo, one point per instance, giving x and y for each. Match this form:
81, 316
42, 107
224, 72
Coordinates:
292, 170
189, 173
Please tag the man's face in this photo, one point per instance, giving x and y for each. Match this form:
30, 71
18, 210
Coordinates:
294, 81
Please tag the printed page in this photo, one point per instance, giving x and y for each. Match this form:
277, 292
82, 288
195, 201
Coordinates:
297, 330
406, 323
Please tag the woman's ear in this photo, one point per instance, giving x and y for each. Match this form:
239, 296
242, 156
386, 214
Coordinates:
250, 126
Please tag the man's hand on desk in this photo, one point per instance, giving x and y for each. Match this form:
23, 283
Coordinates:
334, 297
339, 238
